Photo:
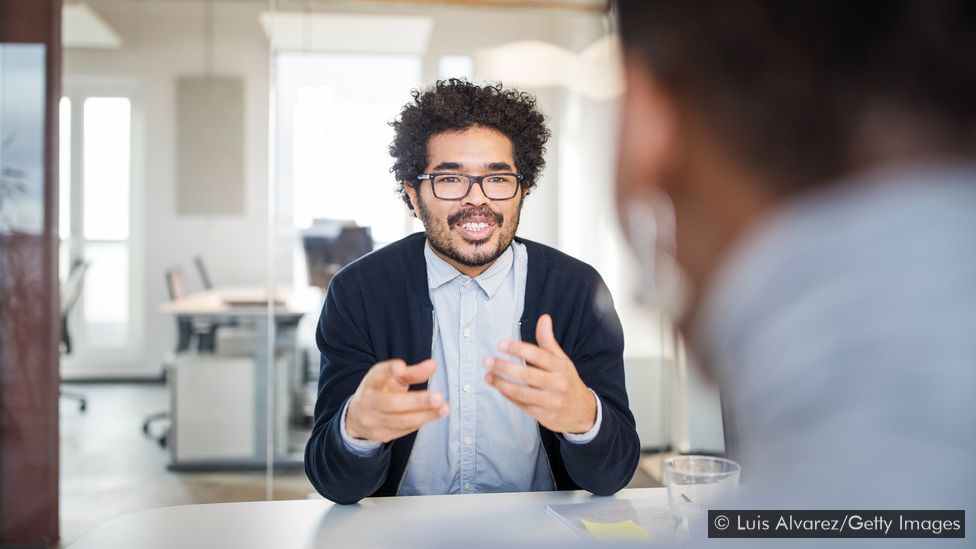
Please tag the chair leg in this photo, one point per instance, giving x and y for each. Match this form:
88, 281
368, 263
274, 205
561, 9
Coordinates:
82, 399
163, 438
152, 418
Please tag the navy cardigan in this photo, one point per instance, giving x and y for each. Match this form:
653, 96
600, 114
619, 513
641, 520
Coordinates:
379, 308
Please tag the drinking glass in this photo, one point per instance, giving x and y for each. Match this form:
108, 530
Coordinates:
695, 482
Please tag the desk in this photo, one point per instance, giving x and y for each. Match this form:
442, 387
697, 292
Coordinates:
231, 302
468, 521
243, 305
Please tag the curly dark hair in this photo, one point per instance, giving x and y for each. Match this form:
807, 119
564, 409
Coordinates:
455, 105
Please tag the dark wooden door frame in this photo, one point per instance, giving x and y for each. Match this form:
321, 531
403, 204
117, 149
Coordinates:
29, 376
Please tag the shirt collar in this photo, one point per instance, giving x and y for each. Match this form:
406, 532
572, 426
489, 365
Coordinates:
494, 276
440, 272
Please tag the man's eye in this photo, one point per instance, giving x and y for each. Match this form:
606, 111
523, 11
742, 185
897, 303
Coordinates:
450, 179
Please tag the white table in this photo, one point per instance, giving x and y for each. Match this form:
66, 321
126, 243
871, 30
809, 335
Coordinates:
467, 521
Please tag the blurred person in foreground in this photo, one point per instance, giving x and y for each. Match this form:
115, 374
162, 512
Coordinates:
818, 160
465, 359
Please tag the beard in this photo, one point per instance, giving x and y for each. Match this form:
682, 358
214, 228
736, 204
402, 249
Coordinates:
440, 237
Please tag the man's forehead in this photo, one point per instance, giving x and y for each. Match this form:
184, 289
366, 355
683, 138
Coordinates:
475, 148
472, 139
496, 165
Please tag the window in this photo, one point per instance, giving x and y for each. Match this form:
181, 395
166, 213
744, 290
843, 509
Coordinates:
94, 216
334, 135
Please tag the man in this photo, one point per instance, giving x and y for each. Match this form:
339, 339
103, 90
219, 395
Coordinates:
466, 359
820, 161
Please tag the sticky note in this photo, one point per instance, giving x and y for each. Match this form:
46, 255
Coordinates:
626, 530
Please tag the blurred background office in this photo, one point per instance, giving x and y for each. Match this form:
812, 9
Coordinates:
218, 161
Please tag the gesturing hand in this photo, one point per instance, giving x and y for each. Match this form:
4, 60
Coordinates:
383, 408
553, 392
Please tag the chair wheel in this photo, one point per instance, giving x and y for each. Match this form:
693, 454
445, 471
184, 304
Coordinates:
162, 441
82, 406
145, 428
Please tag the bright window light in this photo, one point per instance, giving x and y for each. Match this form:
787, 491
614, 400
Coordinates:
64, 169
334, 115
106, 171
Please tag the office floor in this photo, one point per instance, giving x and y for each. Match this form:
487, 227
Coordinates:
110, 468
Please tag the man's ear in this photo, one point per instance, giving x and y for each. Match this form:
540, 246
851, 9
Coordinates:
412, 195
648, 128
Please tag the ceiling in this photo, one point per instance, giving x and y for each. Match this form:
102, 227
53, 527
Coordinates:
566, 5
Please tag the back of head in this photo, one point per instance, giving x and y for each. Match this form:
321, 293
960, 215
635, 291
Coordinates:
807, 91
839, 323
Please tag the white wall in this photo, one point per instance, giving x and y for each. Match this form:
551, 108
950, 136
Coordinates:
163, 41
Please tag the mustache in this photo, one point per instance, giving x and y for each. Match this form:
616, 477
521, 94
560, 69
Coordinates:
459, 216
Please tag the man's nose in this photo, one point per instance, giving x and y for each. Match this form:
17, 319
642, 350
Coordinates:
476, 197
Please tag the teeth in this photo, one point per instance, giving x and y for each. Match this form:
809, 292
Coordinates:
475, 226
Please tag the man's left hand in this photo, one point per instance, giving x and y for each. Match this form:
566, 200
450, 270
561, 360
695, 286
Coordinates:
547, 387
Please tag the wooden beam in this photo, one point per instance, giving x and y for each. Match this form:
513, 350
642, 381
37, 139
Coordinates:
29, 318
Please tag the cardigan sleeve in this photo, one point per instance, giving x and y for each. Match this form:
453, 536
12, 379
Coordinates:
606, 463
335, 471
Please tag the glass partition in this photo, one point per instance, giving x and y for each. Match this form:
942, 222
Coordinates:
214, 154
164, 163
342, 73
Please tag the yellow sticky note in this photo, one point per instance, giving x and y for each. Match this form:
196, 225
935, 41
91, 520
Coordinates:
626, 530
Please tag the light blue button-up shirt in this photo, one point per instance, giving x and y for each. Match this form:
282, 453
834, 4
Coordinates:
486, 444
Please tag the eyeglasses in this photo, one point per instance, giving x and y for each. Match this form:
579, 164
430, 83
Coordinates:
456, 186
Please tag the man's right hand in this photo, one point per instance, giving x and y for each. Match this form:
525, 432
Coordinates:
383, 408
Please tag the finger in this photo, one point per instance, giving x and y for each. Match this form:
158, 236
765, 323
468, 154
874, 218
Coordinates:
382, 372
545, 336
411, 421
519, 394
534, 377
418, 373
531, 354
411, 401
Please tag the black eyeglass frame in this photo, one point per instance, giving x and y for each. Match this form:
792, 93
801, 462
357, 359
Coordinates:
472, 179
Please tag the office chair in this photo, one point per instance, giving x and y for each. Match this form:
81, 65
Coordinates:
70, 292
331, 244
202, 271
186, 328
208, 285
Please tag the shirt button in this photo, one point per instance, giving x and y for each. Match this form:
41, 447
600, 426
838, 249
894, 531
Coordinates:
467, 440
466, 332
467, 387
